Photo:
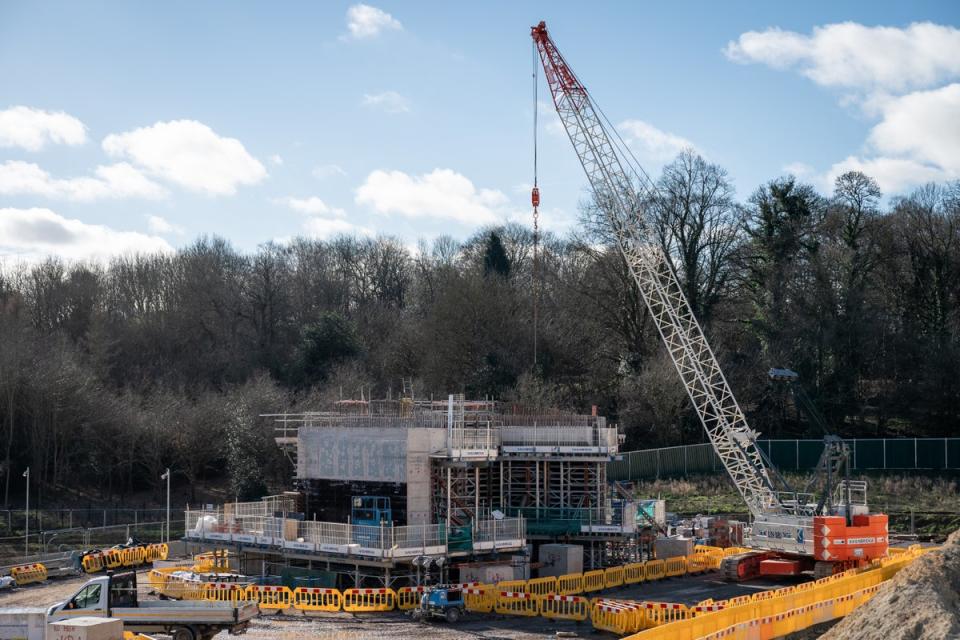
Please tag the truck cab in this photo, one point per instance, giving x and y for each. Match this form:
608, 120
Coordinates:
98, 597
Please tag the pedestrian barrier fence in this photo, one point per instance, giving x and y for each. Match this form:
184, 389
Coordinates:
653, 570
775, 613
409, 597
560, 607
273, 599
517, 603
114, 558
613, 577
658, 613
28, 573
618, 617
673, 567
92, 562
480, 599
541, 586
593, 581
570, 584
317, 599
512, 585
633, 573
233, 592
365, 600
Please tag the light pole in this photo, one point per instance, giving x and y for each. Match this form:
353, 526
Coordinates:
166, 476
26, 533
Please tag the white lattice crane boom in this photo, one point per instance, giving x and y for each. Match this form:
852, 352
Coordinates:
624, 211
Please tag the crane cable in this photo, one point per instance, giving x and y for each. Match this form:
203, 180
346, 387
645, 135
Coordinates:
535, 200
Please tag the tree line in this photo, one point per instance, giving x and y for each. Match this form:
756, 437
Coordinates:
109, 373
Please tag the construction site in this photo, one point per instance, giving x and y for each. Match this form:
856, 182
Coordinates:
478, 517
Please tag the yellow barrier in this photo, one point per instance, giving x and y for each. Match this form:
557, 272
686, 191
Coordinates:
364, 600
114, 558
560, 607
157, 580
613, 577
698, 563
480, 599
28, 573
517, 603
225, 592
658, 613
593, 581
512, 585
93, 562
702, 548
633, 573
270, 598
542, 586
653, 570
570, 584
309, 599
776, 614
409, 597
673, 567
181, 589
618, 617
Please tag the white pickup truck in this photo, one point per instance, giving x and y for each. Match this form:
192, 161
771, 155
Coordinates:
115, 596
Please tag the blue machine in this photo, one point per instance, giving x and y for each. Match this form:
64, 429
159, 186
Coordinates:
372, 511
443, 602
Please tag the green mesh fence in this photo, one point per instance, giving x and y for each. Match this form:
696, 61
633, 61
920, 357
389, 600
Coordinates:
792, 455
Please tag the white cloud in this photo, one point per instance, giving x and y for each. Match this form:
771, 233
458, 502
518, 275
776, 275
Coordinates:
276, 159
312, 206
190, 154
855, 56
112, 181
365, 21
898, 77
652, 144
33, 129
798, 169
554, 125
158, 224
328, 227
32, 234
442, 194
328, 171
388, 101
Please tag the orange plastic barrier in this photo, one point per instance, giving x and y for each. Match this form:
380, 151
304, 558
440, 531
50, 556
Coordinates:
309, 599
114, 558
365, 600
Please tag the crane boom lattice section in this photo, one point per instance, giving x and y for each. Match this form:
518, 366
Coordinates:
695, 362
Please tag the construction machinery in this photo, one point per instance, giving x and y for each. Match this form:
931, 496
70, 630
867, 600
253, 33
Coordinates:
442, 602
791, 531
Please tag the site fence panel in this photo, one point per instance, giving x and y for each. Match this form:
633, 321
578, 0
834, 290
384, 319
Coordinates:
903, 454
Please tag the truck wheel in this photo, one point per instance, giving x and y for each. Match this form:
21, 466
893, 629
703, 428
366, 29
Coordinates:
453, 614
182, 633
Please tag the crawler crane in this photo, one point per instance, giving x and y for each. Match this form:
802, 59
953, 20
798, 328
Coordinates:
790, 532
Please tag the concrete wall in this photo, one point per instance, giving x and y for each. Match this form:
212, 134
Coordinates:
369, 454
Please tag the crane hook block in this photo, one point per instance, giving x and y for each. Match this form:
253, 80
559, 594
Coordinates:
535, 197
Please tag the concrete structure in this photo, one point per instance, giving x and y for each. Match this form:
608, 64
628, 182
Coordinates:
559, 559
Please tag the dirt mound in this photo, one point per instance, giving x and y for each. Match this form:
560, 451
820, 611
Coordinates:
921, 602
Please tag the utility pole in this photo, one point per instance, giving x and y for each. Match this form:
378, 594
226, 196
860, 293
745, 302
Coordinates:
166, 476
26, 533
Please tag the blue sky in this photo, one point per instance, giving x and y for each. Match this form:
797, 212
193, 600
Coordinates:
137, 126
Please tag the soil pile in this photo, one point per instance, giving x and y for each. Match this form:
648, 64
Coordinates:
921, 602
